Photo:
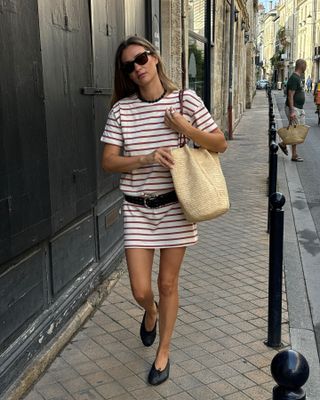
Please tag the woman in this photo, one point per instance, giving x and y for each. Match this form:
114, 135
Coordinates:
142, 127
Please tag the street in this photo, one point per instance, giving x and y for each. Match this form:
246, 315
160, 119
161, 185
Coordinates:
302, 250
309, 151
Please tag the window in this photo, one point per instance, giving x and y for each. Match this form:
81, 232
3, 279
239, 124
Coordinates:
200, 13
196, 66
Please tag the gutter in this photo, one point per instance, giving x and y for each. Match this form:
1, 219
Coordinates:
230, 94
183, 45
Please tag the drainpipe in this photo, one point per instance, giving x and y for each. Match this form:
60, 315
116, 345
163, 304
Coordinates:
314, 19
230, 97
183, 45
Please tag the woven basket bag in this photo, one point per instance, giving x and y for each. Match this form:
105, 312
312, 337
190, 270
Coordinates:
199, 183
293, 134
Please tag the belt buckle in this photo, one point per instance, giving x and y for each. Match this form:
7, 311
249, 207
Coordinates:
147, 197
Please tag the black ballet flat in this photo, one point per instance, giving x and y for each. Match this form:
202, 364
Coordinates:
156, 376
148, 337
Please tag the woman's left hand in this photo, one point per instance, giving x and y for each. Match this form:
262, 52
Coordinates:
213, 141
177, 122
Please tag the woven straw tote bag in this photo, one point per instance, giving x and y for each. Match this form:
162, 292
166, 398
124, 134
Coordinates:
199, 182
293, 134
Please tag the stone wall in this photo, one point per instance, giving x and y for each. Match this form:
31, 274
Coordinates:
220, 63
175, 39
171, 32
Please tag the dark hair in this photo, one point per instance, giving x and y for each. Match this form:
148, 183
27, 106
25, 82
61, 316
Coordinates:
123, 85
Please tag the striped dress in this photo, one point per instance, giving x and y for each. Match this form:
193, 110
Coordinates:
138, 128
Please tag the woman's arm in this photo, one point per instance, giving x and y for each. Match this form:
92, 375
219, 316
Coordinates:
112, 161
211, 141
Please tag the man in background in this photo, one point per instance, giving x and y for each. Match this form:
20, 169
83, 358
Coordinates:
294, 104
309, 84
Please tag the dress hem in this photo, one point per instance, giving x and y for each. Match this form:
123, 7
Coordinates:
160, 247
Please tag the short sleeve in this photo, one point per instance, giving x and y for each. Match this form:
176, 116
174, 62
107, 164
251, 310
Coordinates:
200, 116
112, 133
293, 83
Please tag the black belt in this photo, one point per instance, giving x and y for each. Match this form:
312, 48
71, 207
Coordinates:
152, 200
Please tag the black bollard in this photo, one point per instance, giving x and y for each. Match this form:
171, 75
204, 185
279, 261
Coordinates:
290, 370
273, 168
271, 115
272, 132
277, 201
273, 172
267, 90
272, 122
270, 109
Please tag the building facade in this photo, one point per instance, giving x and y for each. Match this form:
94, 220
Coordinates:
316, 21
233, 60
269, 38
61, 224
284, 41
294, 26
306, 30
259, 35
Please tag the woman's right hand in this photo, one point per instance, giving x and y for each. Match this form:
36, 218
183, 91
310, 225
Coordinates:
161, 156
112, 161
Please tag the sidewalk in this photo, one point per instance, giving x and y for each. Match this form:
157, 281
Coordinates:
218, 349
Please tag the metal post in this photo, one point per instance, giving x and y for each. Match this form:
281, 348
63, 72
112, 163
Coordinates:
272, 132
271, 115
273, 168
231, 64
270, 109
272, 122
290, 370
277, 200
273, 171
268, 90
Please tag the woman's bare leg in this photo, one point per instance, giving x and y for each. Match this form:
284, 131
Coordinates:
170, 263
139, 263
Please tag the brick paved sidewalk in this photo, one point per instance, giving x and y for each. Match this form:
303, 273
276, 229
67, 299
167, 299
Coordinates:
217, 349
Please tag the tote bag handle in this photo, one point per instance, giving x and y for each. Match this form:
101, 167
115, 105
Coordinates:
183, 140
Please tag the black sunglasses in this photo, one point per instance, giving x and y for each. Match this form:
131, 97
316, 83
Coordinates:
140, 59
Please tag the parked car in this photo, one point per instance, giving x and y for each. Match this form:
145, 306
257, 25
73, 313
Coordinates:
262, 84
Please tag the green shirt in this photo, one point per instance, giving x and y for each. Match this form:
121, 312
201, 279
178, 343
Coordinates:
295, 83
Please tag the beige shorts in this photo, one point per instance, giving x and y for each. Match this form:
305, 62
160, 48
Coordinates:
300, 114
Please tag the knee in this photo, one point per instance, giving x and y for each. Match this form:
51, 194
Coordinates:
167, 288
140, 295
